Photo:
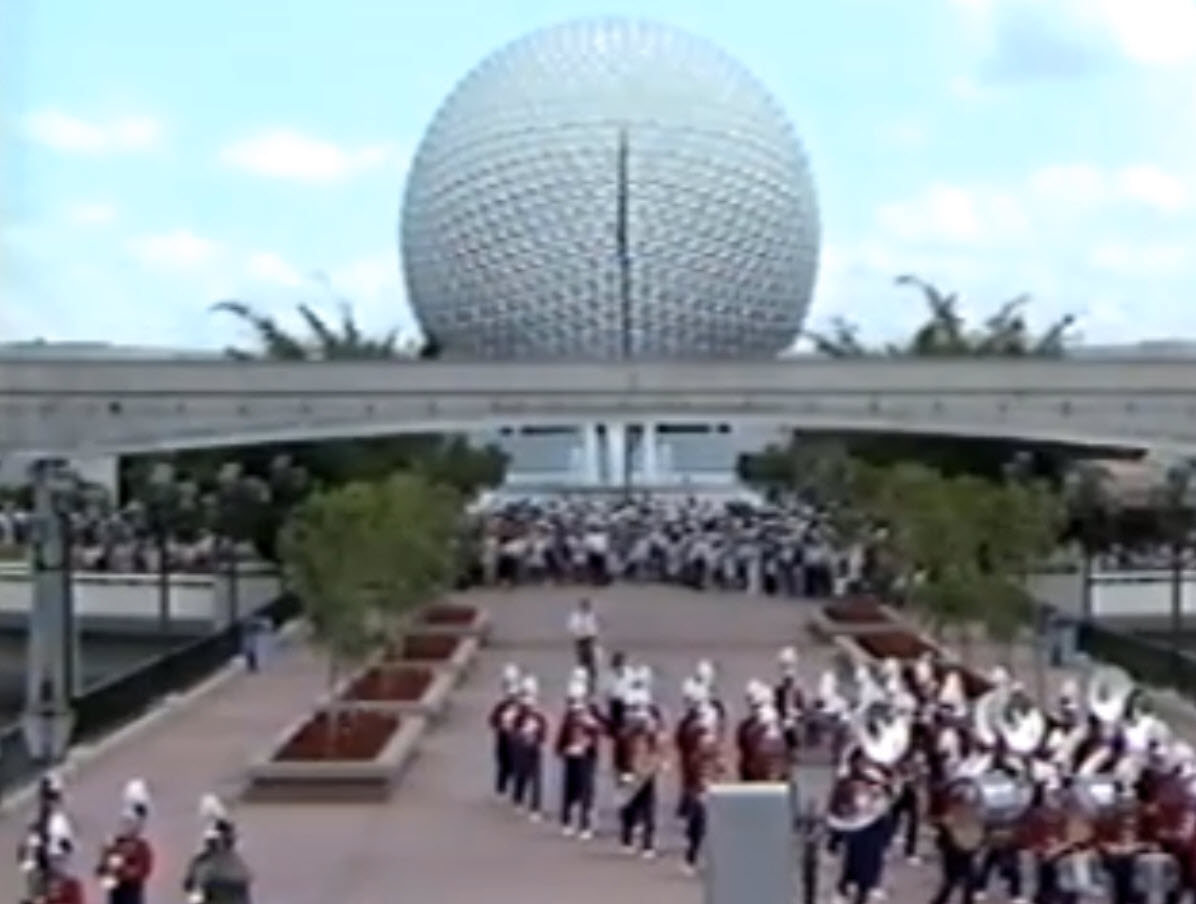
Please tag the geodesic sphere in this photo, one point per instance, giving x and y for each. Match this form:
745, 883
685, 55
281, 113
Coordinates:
610, 189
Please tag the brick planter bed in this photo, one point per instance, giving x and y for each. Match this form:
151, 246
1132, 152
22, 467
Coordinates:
359, 758
895, 645
856, 611
399, 688
354, 735
454, 653
852, 618
454, 619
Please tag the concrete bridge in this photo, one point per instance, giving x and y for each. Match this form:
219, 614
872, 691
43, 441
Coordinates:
79, 407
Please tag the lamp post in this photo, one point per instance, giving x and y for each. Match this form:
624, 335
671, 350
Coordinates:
1178, 487
48, 720
1017, 470
161, 504
228, 490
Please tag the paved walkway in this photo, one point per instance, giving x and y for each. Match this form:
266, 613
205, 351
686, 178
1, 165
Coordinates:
442, 837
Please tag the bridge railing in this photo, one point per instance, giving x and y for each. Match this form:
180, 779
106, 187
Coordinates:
119, 700
1149, 662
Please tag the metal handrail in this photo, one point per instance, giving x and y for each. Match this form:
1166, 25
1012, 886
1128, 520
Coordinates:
106, 706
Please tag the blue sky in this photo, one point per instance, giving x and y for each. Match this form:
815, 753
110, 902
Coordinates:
158, 157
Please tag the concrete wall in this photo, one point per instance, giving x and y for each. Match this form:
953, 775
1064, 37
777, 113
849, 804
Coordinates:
130, 601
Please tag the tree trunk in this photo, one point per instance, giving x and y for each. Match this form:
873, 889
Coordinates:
333, 712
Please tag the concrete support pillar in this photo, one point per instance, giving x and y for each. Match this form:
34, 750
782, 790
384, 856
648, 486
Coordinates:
591, 455
650, 473
616, 457
749, 846
53, 676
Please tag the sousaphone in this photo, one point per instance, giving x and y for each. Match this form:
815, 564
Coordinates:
1109, 694
884, 737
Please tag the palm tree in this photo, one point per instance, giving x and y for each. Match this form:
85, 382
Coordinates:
1092, 507
326, 341
946, 333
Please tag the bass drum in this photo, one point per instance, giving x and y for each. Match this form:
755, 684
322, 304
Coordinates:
981, 807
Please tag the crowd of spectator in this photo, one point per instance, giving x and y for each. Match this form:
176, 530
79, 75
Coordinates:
114, 540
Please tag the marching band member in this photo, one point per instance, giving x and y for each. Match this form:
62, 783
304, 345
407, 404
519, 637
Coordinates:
217, 874
49, 805
864, 782
704, 766
577, 747
618, 689
769, 752
705, 675
502, 725
56, 884
528, 738
788, 697
643, 743
1120, 844
1045, 834
127, 860
757, 695
583, 628
686, 734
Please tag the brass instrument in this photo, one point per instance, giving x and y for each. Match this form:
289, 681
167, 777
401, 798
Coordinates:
884, 735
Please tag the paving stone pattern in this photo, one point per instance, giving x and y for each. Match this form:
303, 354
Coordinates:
443, 837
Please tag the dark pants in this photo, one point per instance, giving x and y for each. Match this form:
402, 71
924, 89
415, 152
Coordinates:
640, 813
616, 715
959, 871
1121, 879
585, 648
695, 827
1047, 890
577, 790
127, 893
905, 815
863, 858
527, 787
1006, 862
504, 762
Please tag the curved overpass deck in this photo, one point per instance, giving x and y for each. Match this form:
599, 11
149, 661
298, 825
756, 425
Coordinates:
96, 407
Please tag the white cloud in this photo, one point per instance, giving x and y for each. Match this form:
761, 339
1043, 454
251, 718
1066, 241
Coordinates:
269, 267
1086, 185
73, 134
289, 155
178, 250
952, 214
1033, 35
91, 214
1133, 259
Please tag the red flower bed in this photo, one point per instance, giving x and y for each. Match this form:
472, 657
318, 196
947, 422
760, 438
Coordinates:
428, 646
446, 614
390, 683
856, 611
357, 735
894, 645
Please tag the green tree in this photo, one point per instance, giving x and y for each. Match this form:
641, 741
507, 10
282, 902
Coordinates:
325, 340
330, 548
947, 333
417, 531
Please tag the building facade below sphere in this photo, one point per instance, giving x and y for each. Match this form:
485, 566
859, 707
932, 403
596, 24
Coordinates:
640, 456
606, 190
